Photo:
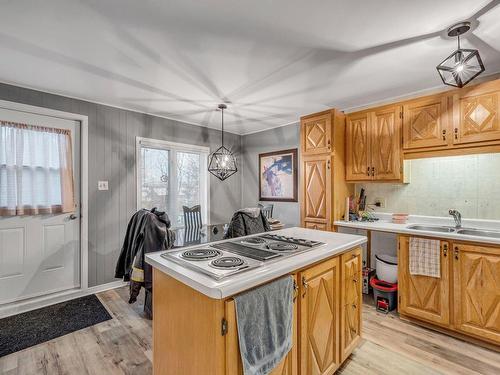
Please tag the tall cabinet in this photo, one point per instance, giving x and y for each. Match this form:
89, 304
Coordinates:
323, 188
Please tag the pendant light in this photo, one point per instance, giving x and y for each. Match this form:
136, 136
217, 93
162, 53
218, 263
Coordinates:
222, 163
463, 65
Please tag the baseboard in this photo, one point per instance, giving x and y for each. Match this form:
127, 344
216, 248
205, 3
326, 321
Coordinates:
51, 299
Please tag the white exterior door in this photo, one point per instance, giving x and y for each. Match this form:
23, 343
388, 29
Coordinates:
40, 254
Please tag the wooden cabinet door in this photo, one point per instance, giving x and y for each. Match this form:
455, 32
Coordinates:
316, 134
316, 189
351, 302
476, 271
424, 297
385, 137
319, 320
425, 123
358, 166
288, 366
478, 118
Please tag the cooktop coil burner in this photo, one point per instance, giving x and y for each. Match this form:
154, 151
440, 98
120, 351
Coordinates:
280, 246
227, 262
253, 241
200, 254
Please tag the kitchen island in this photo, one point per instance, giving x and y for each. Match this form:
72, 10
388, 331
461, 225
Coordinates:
194, 318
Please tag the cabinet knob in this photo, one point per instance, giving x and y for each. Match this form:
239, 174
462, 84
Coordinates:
329, 144
456, 133
367, 171
445, 250
456, 252
444, 135
373, 171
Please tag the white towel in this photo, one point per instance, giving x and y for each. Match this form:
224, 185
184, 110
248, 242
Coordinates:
425, 257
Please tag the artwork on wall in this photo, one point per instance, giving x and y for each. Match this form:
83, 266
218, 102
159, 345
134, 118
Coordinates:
278, 176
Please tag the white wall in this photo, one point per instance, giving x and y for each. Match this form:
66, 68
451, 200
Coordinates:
470, 184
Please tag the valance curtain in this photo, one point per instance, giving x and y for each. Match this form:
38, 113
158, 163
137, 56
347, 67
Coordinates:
36, 170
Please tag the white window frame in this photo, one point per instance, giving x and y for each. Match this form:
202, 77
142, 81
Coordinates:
167, 145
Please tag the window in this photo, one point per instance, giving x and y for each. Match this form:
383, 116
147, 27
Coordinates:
36, 170
172, 175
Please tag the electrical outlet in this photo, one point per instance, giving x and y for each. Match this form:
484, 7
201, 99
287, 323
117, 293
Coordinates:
102, 185
380, 202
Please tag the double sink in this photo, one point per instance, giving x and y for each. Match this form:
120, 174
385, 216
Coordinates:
464, 231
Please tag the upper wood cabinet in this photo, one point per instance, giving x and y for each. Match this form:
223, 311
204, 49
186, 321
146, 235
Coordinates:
476, 271
478, 118
424, 297
374, 145
425, 123
358, 156
316, 134
319, 318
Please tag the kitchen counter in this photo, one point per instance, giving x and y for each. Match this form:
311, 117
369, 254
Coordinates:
335, 244
385, 224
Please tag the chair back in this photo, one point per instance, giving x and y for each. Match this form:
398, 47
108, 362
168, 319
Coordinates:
267, 210
192, 216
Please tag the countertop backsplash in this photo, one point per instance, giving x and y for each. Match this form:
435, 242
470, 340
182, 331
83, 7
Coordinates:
470, 184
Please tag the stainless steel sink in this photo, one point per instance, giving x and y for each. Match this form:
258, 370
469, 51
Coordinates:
479, 233
431, 228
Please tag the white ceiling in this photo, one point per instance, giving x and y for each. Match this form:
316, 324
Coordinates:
271, 60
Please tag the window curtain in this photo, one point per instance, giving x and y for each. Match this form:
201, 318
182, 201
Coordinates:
36, 170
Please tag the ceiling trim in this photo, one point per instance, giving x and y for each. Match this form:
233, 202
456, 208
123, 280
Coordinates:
113, 106
274, 127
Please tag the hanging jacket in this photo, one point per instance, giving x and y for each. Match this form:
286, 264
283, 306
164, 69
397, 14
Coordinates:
147, 231
247, 221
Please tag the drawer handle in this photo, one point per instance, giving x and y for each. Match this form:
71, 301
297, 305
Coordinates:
295, 290
368, 171
456, 252
304, 284
329, 145
373, 171
445, 250
444, 135
456, 133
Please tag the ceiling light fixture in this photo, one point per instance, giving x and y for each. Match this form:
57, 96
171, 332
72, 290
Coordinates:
222, 162
463, 65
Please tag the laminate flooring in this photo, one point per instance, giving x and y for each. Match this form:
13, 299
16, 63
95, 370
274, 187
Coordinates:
122, 345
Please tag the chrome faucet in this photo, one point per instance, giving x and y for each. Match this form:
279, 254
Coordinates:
457, 217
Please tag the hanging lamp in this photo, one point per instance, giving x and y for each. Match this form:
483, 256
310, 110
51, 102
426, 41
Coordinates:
222, 162
463, 65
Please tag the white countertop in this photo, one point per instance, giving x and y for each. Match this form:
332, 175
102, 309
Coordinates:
385, 224
335, 243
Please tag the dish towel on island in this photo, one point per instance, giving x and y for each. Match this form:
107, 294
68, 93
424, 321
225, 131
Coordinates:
264, 317
425, 257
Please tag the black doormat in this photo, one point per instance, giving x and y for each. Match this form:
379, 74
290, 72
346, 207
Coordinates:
21, 331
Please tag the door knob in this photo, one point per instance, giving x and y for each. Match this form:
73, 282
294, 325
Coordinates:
73, 217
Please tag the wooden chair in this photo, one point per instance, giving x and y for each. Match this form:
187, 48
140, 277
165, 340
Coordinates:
192, 216
267, 210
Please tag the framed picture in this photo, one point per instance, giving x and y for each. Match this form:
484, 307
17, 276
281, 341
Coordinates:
278, 176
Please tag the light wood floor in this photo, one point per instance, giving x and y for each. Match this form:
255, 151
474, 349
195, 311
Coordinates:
123, 346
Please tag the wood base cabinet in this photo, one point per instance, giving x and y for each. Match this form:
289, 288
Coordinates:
351, 300
423, 297
466, 299
476, 271
288, 365
195, 334
320, 318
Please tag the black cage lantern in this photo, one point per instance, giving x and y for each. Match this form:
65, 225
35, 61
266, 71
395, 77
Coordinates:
222, 162
463, 65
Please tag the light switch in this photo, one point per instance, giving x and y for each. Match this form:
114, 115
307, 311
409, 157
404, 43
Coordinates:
102, 185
